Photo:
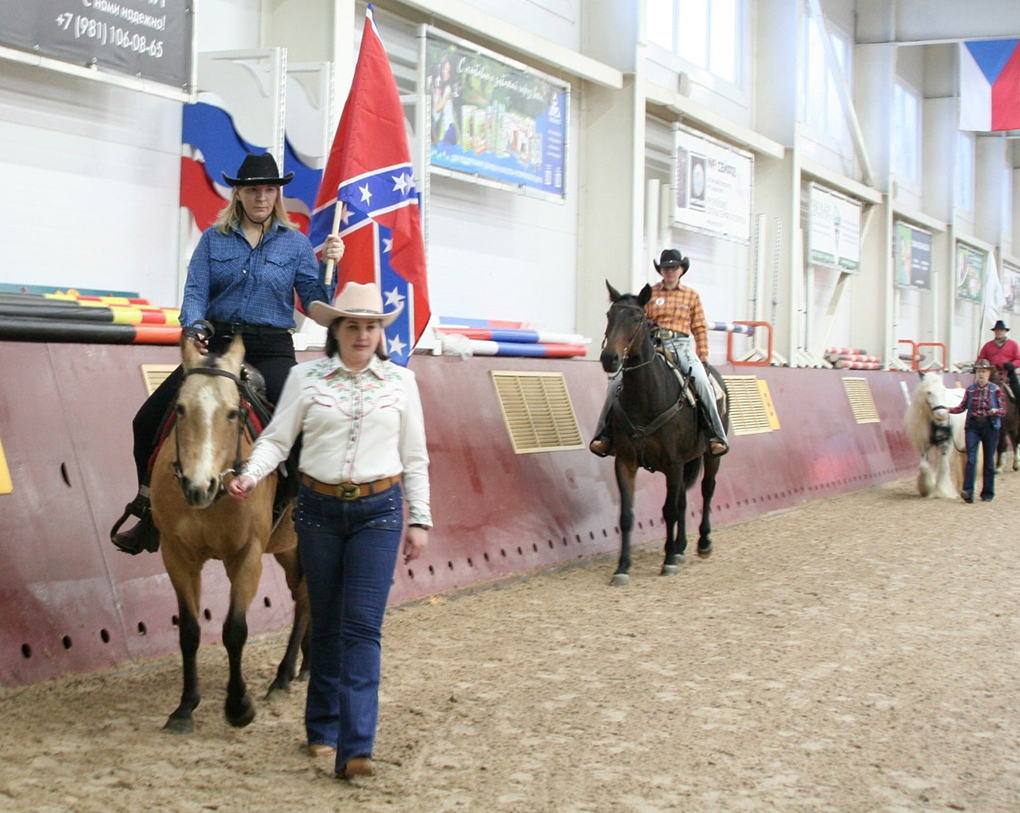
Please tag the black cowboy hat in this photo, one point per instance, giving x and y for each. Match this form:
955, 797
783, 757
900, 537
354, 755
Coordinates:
671, 258
1000, 325
258, 170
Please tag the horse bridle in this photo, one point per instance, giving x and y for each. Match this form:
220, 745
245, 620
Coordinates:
238, 462
630, 345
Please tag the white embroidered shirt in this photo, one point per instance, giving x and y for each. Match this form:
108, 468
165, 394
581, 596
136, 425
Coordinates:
358, 427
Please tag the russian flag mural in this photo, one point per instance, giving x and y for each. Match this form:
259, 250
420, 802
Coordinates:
369, 174
990, 85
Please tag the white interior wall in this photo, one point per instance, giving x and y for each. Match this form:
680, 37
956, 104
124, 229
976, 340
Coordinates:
92, 172
87, 160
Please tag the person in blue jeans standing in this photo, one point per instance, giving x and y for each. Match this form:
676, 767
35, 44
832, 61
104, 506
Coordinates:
364, 433
985, 405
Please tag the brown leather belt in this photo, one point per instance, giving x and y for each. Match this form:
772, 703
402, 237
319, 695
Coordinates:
350, 491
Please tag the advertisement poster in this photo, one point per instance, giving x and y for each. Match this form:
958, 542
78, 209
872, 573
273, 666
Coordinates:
912, 256
834, 230
970, 273
145, 39
494, 119
1011, 288
712, 185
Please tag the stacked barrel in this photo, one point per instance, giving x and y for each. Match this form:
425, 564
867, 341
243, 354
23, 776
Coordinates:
72, 317
848, 358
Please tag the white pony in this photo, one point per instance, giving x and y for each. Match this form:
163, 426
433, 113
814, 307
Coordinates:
938, 437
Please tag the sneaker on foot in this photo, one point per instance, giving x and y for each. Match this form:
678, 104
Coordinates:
718, 448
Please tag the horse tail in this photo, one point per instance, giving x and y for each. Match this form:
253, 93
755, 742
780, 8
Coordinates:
692, 468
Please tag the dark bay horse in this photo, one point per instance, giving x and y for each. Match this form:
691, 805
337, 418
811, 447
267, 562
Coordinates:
1009, 433
208, 441
655, 426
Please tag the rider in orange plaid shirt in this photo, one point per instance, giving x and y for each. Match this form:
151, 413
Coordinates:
682, 328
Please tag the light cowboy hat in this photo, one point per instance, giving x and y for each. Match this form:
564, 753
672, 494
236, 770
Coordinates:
356, 301
258, 170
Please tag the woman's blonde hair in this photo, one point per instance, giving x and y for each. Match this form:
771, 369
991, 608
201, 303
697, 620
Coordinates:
233, 212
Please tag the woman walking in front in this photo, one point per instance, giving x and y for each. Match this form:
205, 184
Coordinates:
364, 432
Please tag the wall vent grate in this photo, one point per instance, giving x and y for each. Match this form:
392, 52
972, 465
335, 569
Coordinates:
858, 392
537, 411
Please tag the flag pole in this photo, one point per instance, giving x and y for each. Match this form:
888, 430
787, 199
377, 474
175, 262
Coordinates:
337, 217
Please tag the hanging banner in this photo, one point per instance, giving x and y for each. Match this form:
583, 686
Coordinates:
834, 229
493, 118
146, 39
970, 273
911, 256
1011, 287
712, 185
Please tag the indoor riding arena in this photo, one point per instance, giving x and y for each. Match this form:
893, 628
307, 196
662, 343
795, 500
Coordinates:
819, 198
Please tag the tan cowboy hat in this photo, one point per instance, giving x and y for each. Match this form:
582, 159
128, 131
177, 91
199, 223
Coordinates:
356, 301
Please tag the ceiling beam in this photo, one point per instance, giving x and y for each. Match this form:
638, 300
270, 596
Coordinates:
917, 22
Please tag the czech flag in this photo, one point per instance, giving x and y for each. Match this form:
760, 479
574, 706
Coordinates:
369, 174
990, 85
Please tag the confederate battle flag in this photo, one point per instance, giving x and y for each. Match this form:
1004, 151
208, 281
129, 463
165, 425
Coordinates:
369, 173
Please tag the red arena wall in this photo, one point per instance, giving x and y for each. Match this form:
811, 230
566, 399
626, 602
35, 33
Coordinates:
72, 603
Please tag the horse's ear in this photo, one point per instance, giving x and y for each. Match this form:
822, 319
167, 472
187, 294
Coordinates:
189, 352
645, 295
613, 293
234, 356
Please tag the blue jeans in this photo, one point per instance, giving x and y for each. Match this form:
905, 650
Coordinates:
986, 435
349, 553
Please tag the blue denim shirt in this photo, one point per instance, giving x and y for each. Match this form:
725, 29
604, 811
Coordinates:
229, 281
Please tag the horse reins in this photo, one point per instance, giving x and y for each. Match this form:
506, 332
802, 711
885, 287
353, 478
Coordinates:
238, 461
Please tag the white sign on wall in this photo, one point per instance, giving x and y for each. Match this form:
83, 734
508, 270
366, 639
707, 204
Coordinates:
712, 182
834, 229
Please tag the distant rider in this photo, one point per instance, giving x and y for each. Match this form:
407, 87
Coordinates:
1004, 354
677, 310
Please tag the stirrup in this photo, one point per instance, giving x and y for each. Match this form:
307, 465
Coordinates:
601, 446
716, 442
142, 537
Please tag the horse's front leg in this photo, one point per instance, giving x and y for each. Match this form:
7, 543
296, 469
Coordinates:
944, 483
708, 481
187, 584
625, 475
673, 513
925, 478
1016, 453
244, 572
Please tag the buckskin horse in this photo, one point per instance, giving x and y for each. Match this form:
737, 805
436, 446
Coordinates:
656, 427
208, 441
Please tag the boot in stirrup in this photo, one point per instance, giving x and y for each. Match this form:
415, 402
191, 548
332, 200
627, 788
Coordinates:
142, 537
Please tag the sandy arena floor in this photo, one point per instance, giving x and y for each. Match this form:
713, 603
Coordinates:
855, 654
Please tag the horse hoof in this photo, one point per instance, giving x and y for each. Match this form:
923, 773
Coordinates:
620, 580
705, 552
244, 716
669, 570
277, 693
179, 725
